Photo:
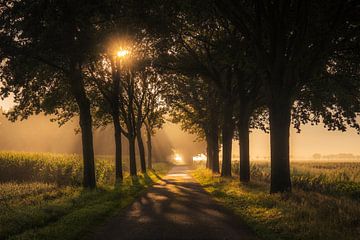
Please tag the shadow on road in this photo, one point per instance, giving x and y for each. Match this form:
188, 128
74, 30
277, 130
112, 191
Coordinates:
175, 208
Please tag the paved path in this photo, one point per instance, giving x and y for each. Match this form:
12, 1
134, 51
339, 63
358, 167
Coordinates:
175, 208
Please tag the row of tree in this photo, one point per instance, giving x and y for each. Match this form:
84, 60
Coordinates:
222, 66
91, 59
237, 65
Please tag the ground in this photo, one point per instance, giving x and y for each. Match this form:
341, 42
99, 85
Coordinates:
177, 207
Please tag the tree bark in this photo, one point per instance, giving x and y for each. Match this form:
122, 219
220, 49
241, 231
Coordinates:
279, 141
133, 171
215, 161
214, 138
213, 128
88, 147
78, 90
149, 147
209, 151
227, 136
141, 151
243, 128
118, 149
116, 118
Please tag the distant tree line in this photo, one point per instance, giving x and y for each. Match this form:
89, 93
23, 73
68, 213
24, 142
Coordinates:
219, 67
339, 156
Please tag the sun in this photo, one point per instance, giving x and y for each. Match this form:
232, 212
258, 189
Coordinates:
122, 53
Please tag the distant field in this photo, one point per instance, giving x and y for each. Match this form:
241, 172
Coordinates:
325, 203
41, 195
334, 178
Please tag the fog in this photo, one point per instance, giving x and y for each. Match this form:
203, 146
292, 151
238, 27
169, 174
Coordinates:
39, 134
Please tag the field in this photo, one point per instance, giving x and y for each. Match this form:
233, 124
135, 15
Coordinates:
325, 203
41, 195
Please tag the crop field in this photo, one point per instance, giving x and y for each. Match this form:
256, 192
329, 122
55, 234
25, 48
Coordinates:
334, 178
325, 203
41, 195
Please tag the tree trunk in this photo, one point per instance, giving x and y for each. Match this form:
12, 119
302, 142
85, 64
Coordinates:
215, 167
88, 147
243, 128
141, 151
214, 138
209, 152
279, 141
118, 149
227, 136
149, 146
77, 87
133, 171
116, 118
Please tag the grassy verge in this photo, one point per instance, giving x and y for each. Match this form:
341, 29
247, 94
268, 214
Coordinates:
48, 211
300, 215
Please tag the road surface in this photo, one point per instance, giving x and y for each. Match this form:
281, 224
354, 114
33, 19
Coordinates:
175, 208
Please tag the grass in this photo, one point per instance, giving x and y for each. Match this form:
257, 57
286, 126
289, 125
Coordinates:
62, 169
331, 178
52, 208
300, 215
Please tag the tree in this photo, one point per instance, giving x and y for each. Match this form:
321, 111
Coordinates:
135, 106
104, 74
142, 95
144, 102
45, 46
155, 108
153, 121
210, 46
292, 41
195, 105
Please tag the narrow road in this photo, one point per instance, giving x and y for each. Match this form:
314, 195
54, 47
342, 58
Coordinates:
175, 208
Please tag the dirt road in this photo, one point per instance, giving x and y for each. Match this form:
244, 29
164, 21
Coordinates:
175, 208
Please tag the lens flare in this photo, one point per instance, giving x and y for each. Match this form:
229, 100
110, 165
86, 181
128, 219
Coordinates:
122, 53
178, 158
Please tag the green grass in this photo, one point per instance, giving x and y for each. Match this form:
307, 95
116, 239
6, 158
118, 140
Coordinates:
300, 215
331, 178
62, 169
52, 208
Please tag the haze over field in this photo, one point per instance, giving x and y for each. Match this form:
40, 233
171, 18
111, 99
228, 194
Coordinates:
39, 134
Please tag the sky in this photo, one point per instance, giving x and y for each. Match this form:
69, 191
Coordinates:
171, 140
312, 139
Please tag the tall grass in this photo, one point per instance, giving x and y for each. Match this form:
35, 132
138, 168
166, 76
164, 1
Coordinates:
297, 216
334, 178
61, 169
41, 197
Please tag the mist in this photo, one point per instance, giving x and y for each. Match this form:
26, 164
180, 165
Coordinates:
39, 134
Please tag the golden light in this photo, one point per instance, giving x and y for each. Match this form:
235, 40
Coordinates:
178, 158
199, 158
122, 53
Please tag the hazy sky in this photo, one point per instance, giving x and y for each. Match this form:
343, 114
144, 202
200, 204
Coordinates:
312, 139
